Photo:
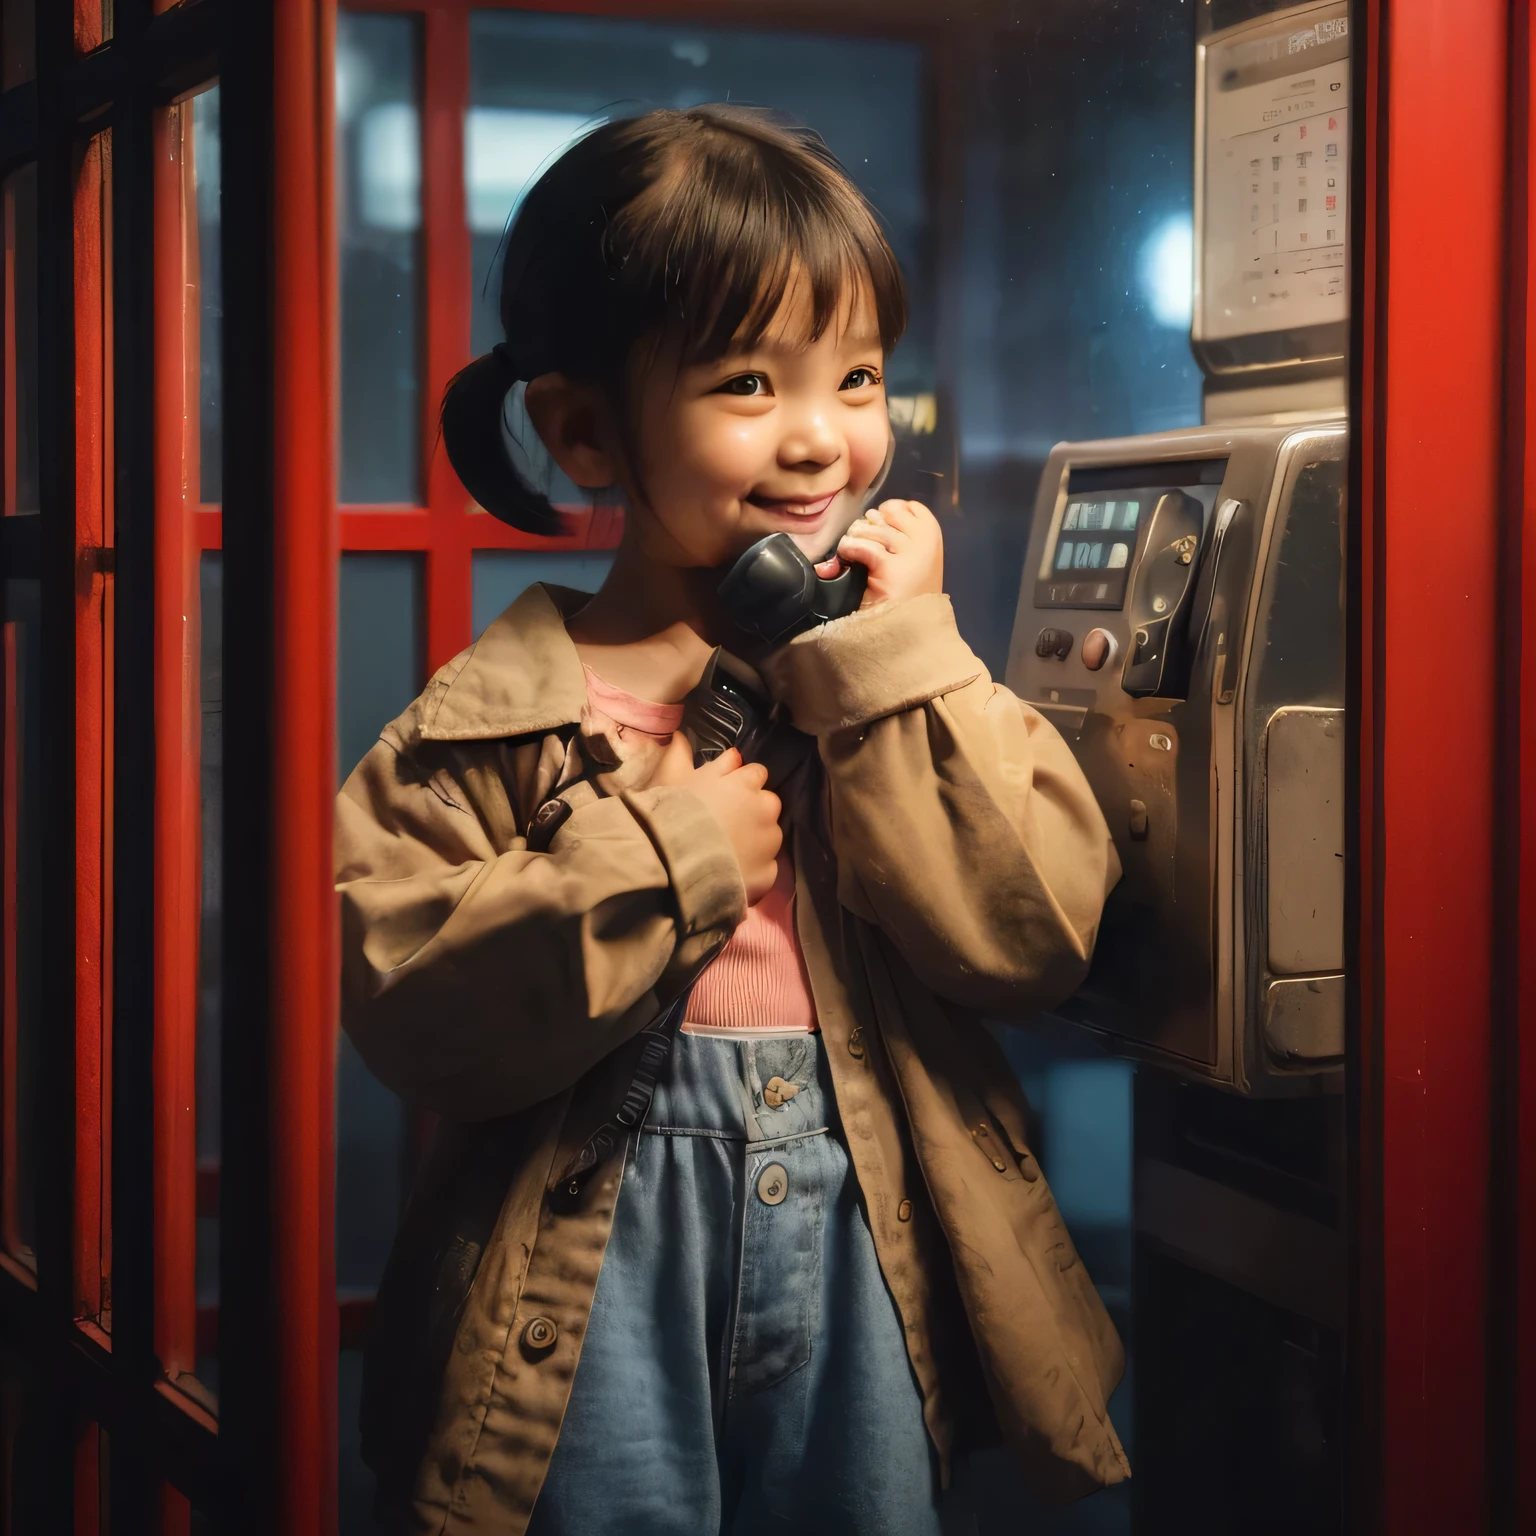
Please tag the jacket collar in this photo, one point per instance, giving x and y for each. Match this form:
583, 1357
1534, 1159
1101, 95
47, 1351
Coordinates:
523, 675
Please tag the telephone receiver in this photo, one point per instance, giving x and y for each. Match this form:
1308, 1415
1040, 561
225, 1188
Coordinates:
773, 592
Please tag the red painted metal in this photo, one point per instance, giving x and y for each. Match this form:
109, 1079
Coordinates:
10, 1236
1524, 991
446, 276
93, 521
10, 796
1432, 398
304, 937
178, 724
8, 362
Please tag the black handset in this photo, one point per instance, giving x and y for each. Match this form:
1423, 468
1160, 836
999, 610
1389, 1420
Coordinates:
773, 591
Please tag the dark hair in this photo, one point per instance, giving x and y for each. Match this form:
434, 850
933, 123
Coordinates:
675, 226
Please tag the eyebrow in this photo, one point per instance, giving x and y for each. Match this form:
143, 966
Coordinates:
852, 340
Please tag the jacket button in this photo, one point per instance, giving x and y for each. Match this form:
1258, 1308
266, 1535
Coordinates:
773, 1184
540, 1334
1029, 1167
904, 1211
856, 1042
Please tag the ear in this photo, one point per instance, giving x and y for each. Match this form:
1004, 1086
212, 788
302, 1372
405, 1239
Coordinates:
569, 419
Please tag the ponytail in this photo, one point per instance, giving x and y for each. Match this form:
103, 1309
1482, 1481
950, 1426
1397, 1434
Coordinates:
472, 414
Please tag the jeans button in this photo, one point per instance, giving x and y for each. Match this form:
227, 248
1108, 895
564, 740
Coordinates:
777, 1092
773, 1184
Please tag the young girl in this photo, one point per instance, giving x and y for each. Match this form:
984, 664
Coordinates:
824, 1261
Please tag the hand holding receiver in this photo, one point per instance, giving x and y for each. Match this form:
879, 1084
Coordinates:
736, 796
900, 544
774, 592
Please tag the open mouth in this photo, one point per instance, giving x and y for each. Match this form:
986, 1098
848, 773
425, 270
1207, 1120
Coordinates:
793, 506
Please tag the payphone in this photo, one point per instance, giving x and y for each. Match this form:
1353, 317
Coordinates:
1181, 608
1181, 622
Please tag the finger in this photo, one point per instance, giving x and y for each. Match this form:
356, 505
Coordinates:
753, 775
892, 539
774, 807
727, 762
863, 552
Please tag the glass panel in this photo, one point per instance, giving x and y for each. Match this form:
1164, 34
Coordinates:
378, 674
501, 574
378, 121
21, 489
205, 142
537, 80
18, 42
23, 1022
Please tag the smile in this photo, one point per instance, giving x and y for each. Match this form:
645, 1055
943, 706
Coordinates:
794, 506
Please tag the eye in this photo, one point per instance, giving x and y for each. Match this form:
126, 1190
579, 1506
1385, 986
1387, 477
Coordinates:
860, 378
744, 384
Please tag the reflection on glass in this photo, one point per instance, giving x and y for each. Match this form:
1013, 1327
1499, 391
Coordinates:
536, 81
378, 123
93, 24
205, 160
21, 490
210, 941
18, 42
378, 674
23, 1023
501, 575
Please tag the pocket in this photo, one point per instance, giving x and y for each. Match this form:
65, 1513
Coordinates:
779, 1290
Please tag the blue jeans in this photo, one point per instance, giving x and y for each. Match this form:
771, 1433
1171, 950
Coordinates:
745, 1370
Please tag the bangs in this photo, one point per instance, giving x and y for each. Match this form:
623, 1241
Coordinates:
734, 222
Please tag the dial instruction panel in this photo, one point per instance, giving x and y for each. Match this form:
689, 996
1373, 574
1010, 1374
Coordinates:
1276, 151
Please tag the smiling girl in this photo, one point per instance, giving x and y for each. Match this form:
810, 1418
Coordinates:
823, 1260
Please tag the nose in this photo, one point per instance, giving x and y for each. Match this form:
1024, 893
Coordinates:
810, 441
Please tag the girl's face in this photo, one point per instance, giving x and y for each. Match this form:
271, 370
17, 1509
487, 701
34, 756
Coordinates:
787, 436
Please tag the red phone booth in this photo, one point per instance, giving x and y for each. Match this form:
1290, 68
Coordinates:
247, 242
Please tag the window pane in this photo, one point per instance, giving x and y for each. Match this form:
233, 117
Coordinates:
21, 492
205, 161
189, 705
378, 674
538, 80
23, 1023
378, 121
501, 574
18, 42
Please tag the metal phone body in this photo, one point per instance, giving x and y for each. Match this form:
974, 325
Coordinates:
1205, 704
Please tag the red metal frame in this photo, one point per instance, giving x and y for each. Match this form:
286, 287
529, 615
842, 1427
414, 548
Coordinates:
93, 728
305, 974
1524, 993
1433, 355
10, 769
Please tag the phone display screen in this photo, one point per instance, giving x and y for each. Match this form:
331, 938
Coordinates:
1095, 539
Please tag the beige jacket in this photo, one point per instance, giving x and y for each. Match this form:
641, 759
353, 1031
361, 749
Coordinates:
964, 872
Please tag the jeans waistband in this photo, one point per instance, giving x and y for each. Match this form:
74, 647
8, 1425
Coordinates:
753, 1091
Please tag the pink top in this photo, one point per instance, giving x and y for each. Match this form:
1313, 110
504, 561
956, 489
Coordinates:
757, 984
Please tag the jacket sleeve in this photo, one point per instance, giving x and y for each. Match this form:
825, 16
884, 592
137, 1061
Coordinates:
481, 977
962, 824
